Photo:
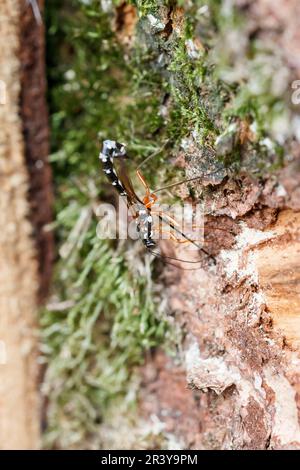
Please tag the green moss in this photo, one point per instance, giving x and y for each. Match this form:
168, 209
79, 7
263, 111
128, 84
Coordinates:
103, 315
92, 345
186, 76
204, 102
246, 67
147, 7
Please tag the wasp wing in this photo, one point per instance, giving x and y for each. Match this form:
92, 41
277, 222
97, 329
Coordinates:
127, 183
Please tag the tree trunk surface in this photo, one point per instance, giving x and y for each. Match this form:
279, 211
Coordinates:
20, 282
240, 385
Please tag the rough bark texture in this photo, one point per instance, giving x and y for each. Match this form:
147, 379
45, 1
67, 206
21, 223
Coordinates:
19, 280
34, 114
241, 316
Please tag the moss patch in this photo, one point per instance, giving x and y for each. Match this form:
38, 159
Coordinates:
103, 315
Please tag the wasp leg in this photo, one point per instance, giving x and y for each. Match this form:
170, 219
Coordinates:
166, 216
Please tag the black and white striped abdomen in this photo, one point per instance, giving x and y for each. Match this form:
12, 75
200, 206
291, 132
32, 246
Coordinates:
145, 225
111, 150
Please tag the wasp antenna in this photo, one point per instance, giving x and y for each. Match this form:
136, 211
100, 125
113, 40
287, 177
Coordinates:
195, 178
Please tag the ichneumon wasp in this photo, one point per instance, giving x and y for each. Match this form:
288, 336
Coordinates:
142, 209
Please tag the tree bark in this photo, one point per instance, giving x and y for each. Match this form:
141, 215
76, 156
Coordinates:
241, 317
34, 115
19, 268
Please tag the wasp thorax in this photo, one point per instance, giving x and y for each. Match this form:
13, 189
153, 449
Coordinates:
149, 200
